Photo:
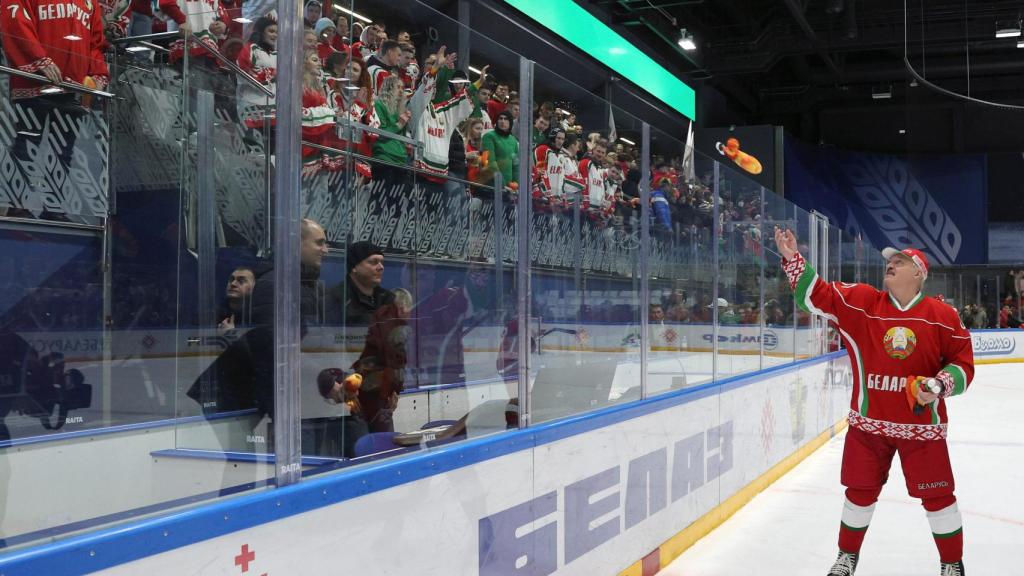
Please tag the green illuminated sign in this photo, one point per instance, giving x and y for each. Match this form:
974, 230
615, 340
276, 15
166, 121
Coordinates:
573, 23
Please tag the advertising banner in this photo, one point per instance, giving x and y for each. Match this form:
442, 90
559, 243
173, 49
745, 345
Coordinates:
935, 203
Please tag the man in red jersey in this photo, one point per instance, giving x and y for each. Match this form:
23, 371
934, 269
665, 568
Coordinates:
895, 338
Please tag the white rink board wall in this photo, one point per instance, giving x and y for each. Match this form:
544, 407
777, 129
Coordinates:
994, 346
591, 502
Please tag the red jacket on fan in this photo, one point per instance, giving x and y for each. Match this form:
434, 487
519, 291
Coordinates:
36, 34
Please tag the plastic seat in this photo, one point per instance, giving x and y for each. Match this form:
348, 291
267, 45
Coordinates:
374, 442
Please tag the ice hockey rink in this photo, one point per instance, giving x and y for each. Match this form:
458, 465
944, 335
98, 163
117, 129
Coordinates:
791, 528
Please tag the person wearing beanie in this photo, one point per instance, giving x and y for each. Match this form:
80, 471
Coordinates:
325, 31
361, 294
502, 148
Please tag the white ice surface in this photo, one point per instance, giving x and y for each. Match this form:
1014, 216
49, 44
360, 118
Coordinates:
791, 528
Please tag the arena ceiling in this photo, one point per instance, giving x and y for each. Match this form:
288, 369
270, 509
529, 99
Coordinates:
814, 65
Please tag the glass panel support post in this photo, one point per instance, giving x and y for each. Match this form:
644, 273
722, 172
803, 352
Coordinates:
715, 230
761, 264
645, 246
286, 234
523, 220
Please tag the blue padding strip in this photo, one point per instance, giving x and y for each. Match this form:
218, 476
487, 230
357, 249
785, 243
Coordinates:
248, 457
118, 545
123, 428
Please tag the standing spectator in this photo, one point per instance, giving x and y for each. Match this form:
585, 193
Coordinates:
325, 32
437, 111
117, 16
340, 41
540, 128
472, 134
980, 317
313, 11
547, 172
499, 101
317, 116
384, 64
39, 40
205, 21
258, 59
369, 41
592, 168
481, 97
408, 68
390, 104
503, 149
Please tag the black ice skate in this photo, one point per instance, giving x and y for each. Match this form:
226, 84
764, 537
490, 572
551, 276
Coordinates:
845, 564
954, 569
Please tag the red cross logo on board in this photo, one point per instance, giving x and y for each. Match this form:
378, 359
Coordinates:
245, 558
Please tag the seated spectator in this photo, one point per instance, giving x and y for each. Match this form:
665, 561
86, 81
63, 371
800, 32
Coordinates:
236, 310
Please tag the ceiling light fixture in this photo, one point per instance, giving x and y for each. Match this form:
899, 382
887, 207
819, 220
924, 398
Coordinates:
1020, 44
353, 14
473, 70
881, 93
1008, 29
686, 41
627, 141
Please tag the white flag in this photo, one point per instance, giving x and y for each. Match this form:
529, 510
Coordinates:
612, 134
688, 170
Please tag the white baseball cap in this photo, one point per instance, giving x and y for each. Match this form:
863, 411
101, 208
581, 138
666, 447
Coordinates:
913, 254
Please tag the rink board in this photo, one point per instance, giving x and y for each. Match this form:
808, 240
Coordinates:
584, 495
998, 346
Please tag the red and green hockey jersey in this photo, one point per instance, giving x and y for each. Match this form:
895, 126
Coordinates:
888, 343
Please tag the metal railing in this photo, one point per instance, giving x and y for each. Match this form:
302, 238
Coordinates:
149, 39
73, 86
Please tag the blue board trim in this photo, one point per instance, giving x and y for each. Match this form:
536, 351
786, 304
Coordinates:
118, 545
122, 428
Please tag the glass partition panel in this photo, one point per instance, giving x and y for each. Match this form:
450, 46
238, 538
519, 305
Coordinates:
681, 282
778, 316
226, 287
123, 228
584, 249
740, 257
806, 341
415, 189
